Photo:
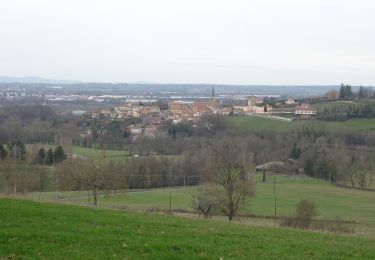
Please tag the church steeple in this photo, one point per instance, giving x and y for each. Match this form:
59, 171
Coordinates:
213, 97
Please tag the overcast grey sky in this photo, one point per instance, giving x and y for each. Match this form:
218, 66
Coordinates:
190, 41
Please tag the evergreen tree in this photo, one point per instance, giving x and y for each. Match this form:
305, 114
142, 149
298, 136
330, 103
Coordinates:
59, 154
342, 91
309, 167
3, 152
41, 155
295, 152
348, 92
362, 92
49, 157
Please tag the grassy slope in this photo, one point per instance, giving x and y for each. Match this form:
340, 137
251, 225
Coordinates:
36, 230
331, 200
253, 123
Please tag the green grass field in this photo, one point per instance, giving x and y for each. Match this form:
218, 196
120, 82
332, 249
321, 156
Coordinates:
257, 124
31, 230
331, 201
98, 155
341, 105
92, 153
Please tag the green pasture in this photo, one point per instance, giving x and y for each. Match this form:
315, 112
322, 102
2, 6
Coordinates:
31, 230
248, 123
331, 201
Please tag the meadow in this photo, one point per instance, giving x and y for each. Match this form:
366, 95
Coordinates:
33, 230
248, 123
331, 201
85, 152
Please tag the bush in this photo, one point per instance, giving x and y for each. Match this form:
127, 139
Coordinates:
302, 218
288, 222
336, 226
305, 211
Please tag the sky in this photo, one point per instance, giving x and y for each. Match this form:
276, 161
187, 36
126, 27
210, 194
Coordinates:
272, 42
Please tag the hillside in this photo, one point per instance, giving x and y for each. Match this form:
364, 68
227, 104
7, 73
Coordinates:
47, 231
351, 205
257, 124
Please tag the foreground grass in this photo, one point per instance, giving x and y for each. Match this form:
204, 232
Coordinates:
256, 124
46, 231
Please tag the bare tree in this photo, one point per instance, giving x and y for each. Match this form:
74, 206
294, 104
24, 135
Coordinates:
205, 199
228, 166
305, 211
80, 174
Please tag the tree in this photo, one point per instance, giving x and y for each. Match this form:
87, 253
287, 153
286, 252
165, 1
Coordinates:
205, 199
362, 92
83, 174
41, 156
59, 155
49, 158
342, 91
94, 132
18, 150
362, 179
303, 216
305, 211
295, 152
348, 92
228, 167
3, 152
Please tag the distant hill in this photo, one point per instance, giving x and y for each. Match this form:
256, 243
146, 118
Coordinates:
34, 80
175, 89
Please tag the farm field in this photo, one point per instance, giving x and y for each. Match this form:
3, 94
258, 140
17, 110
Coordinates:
256, 124
91, 153
340, 105
98, 155
331, 201
47, 231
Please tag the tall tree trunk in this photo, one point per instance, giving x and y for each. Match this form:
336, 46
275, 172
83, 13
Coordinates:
264, 174
95, 193
231, 209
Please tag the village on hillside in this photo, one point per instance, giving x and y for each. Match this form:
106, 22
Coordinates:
150, 117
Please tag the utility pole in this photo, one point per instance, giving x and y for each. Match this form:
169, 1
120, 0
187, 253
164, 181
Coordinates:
170, 200
170, 192
274, 193
264, 172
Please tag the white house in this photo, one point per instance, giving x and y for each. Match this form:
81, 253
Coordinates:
290, 101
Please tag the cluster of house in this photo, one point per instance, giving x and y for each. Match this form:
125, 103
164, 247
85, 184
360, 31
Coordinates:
193, 110
151, 116
255, 106
128, 110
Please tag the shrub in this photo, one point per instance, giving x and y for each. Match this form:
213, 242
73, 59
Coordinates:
305, 211
336, 226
